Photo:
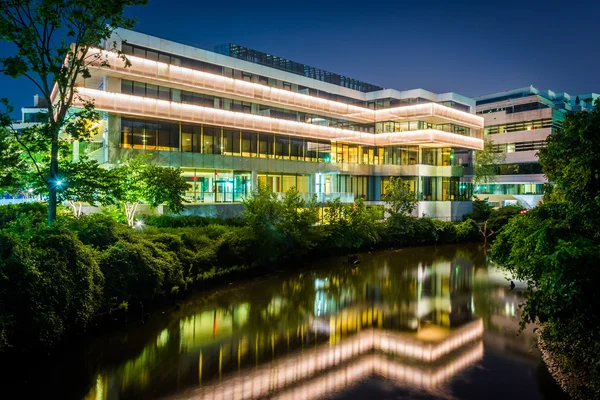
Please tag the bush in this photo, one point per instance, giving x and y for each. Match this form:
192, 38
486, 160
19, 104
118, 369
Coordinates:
50, 283
136, 272
238, 247
186, 221
36, 212
97, 230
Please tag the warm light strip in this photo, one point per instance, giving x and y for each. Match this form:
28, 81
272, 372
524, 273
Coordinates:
146, 107
380, 365
167, 73
293, 368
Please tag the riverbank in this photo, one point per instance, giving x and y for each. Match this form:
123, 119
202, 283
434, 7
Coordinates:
239, 329
60, 281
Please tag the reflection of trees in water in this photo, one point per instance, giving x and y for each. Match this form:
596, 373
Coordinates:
407, 290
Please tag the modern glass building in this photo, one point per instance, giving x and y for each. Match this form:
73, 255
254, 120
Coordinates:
234, 118
518, 122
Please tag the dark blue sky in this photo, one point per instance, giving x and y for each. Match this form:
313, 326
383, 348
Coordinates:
470, 47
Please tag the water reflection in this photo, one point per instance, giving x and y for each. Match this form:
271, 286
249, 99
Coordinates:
415, 317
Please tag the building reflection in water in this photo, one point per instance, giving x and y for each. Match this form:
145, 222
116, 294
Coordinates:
403, 316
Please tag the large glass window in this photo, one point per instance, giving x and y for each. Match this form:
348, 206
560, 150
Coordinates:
231, 142
190, 136
151, 136
126, 132
210, 140
282, 147
296, 149
265, 145
138, 134
249, 142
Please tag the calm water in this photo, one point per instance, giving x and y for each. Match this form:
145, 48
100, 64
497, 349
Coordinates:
421, 323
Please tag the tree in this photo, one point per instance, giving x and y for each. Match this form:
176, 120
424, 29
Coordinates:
52, 41
85, 181
262, 211
555, 248
486, 163
571, 160
399, 198
297, 217
137, 182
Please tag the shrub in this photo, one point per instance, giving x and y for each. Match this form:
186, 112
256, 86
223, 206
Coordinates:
238, 247
97, 230
36, 212
50, 284
138, 271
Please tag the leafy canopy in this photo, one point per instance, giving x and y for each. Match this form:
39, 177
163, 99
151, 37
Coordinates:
398, 197
51, 42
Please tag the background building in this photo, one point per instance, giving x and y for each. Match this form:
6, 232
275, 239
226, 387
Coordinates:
518, 121
234, 118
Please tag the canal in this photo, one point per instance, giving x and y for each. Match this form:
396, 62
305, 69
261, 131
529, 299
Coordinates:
418, 323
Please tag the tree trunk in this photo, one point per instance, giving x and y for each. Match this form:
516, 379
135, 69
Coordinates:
52, 179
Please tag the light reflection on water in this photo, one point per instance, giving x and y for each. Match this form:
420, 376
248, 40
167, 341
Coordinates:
421, 318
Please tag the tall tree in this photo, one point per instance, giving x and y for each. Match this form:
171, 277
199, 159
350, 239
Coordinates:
51, 41
486, 163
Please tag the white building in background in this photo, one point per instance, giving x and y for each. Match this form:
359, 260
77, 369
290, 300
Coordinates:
234, 118
518, 121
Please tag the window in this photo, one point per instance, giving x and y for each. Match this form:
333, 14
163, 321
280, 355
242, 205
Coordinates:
231, 142
126, 86
189, 138
287, 86
151, 136
246, 76
126, 132
249, 140
265, 145
210, 140
139, 89
282, 149
296, 149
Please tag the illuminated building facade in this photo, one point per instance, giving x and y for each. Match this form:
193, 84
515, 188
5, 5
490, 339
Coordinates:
234, 118
518, 122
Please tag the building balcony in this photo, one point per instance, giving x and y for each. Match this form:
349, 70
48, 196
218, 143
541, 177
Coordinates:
189, 79
162, 109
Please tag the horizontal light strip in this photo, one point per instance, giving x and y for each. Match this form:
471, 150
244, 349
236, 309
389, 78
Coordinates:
145, 107
167, 73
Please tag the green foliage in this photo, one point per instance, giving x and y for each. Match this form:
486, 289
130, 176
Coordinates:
137, 272
181, 221
571, 160
398, 197
50, 283
555, 248
85, 181
481, 210
50, 46
136, 182
36, 212
350, 225
97, 230
486, 163
297, 220
404, 230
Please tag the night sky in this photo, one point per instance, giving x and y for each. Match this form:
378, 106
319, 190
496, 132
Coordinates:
469, 47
